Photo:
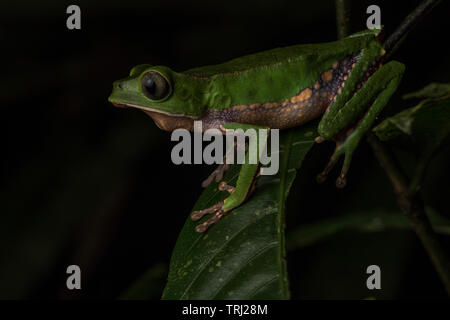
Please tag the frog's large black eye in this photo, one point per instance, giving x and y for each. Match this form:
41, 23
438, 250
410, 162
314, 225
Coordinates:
155, 86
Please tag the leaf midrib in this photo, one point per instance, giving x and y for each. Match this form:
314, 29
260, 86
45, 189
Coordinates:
280, 215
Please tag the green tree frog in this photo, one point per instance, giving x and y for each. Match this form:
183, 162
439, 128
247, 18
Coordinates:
344, 82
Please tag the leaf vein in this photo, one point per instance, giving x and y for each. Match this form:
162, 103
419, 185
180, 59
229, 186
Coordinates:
247, 261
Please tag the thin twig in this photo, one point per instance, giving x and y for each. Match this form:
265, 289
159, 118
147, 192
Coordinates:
408, 23
413, 208
342, 18
419, 171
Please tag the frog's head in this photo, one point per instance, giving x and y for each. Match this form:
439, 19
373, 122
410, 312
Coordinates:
170, 98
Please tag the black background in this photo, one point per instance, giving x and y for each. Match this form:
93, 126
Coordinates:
89, 184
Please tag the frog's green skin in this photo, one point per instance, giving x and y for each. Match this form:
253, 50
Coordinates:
342, 81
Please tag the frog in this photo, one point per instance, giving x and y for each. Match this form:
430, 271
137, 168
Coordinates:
344, 83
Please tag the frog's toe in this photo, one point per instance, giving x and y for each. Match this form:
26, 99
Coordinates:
341, 181
223, 186
205, 225
321, 177
216, 209
216, 175
319, 139
218, 214
345, 148
198, 214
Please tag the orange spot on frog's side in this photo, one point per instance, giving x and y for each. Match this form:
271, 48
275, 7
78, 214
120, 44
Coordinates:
316, 85
270, 105
335, 65
302, 96
240, 107
327, 76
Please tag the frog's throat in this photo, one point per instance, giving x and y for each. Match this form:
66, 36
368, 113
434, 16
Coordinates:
170, 122
164, 120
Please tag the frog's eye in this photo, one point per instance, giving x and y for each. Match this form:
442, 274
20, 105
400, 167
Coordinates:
155, 86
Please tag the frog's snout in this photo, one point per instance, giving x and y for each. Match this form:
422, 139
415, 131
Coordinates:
116, 93
118, 104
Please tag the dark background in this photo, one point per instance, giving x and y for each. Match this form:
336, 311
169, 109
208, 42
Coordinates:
89, 184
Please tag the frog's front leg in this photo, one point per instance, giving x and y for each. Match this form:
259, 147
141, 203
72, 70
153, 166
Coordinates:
375, 93
245, 182
219, 172
216, 175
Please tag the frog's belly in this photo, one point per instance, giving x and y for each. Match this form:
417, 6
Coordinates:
308, 104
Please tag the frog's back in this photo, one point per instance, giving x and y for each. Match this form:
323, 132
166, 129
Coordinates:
279, 88
309, 53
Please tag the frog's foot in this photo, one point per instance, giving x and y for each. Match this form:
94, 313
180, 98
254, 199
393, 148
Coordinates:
216, 209
198, 214
216, 175
344, 146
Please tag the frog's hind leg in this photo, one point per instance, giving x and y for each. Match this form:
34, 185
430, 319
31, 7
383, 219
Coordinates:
385, 80
339, 140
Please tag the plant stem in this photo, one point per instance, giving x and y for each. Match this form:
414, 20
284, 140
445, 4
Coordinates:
408, 23
413, 208
342, 18
419, 171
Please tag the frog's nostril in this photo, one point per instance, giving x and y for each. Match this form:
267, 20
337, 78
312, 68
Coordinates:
119, 86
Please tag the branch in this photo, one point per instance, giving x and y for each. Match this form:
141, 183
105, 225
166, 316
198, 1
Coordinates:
413, 209
342, 18
408, 23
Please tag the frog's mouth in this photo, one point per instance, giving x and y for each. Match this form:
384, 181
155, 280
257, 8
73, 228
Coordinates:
164, 120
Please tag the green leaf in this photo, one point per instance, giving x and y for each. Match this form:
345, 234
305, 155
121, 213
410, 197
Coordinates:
427, 125
428, 122
242, 256
433, 90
